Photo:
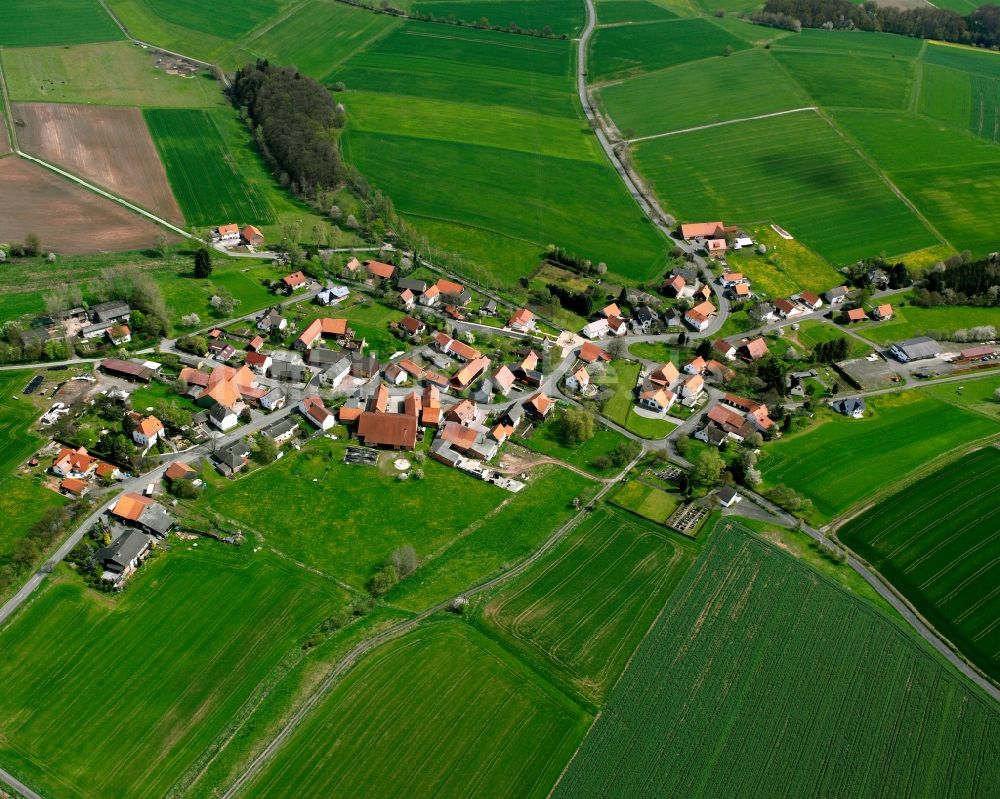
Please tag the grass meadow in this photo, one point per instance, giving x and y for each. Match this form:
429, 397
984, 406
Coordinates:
140, 684
620, 51
835, 461
114, 73
646, 500
750, 627
583, 609
487, 135
795, 171
442, 711
940, 321
206, 180
938, 542
546, 439
27, 23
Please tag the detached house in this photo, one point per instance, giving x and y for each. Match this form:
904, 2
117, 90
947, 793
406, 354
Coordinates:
522, 321
579, 380
725, 349
836, 295
148, 431
657, 399
754, 349
883, 313
294, 281
811, 300
74, 463
700, 316
120, 560
316, 412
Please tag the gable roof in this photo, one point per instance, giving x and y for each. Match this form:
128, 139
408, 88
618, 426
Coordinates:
857, 314
149, 426
696, 230
540, 403
411, 325
522, 316
504, 377
704, 308
250, 232
809, 297
755, 348
388, 429
665, 374
610, 311
884, 310
231, 229
379, 269
294, 280
130, 506
178, 470
723, 346
590, 353
324, 326
464, 376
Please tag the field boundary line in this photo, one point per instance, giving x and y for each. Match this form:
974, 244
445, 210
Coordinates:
721, 124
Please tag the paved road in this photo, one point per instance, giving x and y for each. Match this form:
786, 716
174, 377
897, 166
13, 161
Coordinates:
18, 786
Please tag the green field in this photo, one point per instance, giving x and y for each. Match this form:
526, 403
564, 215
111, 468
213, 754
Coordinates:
584, 608
560, 16
117, 73
443, 711
946, 94
205, 179
856, 81
129, 691
852, 43
612, 11
625, 50
143, 23
547, 440
28, 23
906, 431
795, 171
787, 268
763, 678
938, 542
746, 84
939, 321
811, 333
487, 136
230, 18
646, 500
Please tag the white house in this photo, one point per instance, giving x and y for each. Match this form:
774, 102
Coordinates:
316, 412
148, 431
224, 418
579, 380
275, 398
657, 399
728, 497
596, 329
230, 232
335, 373
331, 295
693, 386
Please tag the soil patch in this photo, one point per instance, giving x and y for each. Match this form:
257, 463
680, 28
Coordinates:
68, 218
110, 147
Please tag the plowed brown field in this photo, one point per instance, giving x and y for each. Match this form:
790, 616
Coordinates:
68, 218
110, 147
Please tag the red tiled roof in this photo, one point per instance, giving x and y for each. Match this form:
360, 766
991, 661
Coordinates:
857, 314
379, 269
521, 317
130, 506
73, 485
666, 374
326, 326
294, 280
697, 230
755, 348
458, 435
150, 426
590, 352
504, 378
464, 376
388, 429
177, 470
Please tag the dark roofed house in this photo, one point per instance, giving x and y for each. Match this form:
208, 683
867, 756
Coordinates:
122, 557
916, 349
364, 366
850, 406
280, 431
232, 458
413, 284
289, 371
113, 311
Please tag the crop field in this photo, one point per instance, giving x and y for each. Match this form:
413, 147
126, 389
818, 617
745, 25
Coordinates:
107, 146
792, 170
561, 16
856, 81
946, 94
206, 180
315, 37
646, 500
584, 607
109, 711
547, 440
28, 23
906, 431
938, 542
749, 627
850, 43
117, 73
442, 711
611, 11
490, 136
31, 195
241, 16
620, 51
746, 84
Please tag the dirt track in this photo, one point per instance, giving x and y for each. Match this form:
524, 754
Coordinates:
110, 147
4, 143
68, 218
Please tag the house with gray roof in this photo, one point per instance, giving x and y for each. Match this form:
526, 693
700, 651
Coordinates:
121, 558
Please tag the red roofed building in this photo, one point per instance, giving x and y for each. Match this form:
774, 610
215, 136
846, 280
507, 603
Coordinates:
883, 312
327, 326
380, 270
856, 315
702, 230
430, 414
390, 430
75, 462
252, 236
591, 353
316, 412
147, 431
522, 321
665, 375
74, 486
463, 377
753, 350
539, 404
296, 280
503, 380
657, 399
811, 299
230, 232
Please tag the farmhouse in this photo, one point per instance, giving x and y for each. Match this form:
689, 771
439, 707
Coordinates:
458, 349
316, 412
716, 246
225, 386
523, 321
111, 312
230, 232
258, 361
453, 293
471, 442
119, 334
122, 557
324, 327
430, 412
147, 431
252, 236
336, 371
394, 374
916, 349
411, 284
74, 463
143, 512
288, 371
390, 430
755, 412
722, 423
130, 370
702, 230
364, 366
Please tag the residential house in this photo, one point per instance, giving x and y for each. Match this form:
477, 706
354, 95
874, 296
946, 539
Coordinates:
454, 313
453, 347
503, 380
483, 393
255, 344
716, 247
352, 266
221, 350
596, 329
489, 308
472, 443
591, 353
332, 294
407, 299
119, 334
657, 399
539, 405
252, 236
108, 472
281, 431
115, 311
430, 411
122, 557
617, 326
336, 372
226, 387
787, 309
272, 319
702, 230
695, 366
228, 233
644, 318
836, 295
915, 349
294, 281
148, 431
143, 512
464, 377
850, 406
700, 317
260, 362
883, 313
692, 386
431, 296
178, 470
316, 412
728, 497
453, 293
523, 321
412, 285
414, 327
741, 292
578, 380
394, 374
74, 463
411, 368
676, 286
513, 415
232, 458
664, 375
754, 349
856, 315
273, 399
754, 412
74, 486
719, 371
730, 279
763, 312
610, 311
289, 371
463, 412
725, 349
810, 300
364, 366
223, 417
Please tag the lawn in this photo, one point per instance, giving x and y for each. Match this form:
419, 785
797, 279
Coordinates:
547, 440
560, 16
118, 73
938, 322
851, 43
625, 374
111, 710
491, 136
811, 333
657, 352
584, 608
938, 542
750, 627
28, 23
647, 428
646, 500
795, 171
904, 432
206, 180
443, 711
624, 50
746, 84
369, 321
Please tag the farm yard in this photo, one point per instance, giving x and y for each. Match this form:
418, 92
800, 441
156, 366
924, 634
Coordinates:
205, 178
750, 628
31, 194
584, 608
110, 147
905, 431
28, 23
113, 694
449, 709
938, 542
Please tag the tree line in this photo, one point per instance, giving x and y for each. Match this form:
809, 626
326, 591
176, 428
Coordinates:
971, 283
980, 27
294, 121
